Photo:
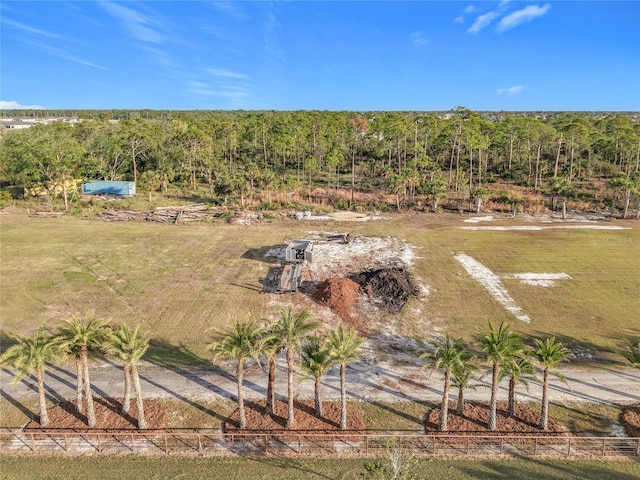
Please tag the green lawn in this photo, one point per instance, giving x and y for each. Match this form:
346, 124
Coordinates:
34, 467
179, 281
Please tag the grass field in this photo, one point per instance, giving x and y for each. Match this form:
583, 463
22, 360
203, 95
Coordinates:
178, 281
134, 467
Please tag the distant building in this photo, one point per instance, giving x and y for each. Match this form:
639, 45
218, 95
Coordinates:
17, 124
106, 187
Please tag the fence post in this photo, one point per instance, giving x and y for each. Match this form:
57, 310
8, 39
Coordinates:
604, 440
133, 443
569, 447
66, 446
638, 448
33, 443
99, 445
468, 445
501, 444
433, 443
266, 443
166, 444
199, 444
366, 445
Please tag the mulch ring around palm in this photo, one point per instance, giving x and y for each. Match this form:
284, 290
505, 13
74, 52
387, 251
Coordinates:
475, 419
630, 419
109, 416
260, 422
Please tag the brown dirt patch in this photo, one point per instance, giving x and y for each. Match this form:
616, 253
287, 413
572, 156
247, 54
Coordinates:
475, 419
340, 295
387, 288
630, 419
259, 421
108, 416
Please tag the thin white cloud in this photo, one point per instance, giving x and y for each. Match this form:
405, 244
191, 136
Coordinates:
483, 21
31, 30
271, 44
418, 39
524, 15
510, 91
229, 8
461, 18
220, 72
13, 105
63, 53
140, 26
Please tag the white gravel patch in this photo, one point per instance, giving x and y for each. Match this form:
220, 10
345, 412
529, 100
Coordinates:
503, 228
492, 283
539, 279
488, 218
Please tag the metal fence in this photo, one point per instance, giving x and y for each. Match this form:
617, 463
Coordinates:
214, 442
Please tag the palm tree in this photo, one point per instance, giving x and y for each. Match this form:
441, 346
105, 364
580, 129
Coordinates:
291, 329
343, 347
271, 349
499, 347
316, 361
517, 370
448, 356
461, 379
30, 355
548, 354
632, 354
128, 346
242, 341
79, 336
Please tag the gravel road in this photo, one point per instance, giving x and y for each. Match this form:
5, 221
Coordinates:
368, 381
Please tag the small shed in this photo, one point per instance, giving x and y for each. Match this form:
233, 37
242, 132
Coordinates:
299, 251
106, 187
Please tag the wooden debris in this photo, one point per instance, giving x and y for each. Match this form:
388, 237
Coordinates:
120, 215
47, 214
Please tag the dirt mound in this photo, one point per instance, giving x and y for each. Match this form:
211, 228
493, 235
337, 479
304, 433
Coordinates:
389, 288
630, 418
475, 419
108, 416
339, 294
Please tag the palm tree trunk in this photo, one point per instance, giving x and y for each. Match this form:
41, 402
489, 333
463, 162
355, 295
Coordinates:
91, 413
241, 412
494, 399
142, 421
512, 397
44, 414
271, 387
79, 382
318, 396
444, 408
544, 414
460, 408
126, 403
343, 396
291, 421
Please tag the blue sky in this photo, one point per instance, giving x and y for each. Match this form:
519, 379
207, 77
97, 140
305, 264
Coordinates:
325, 55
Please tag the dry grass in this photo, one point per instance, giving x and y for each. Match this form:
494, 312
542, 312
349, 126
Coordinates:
180, 281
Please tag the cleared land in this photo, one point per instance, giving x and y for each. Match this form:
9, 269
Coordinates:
178, 281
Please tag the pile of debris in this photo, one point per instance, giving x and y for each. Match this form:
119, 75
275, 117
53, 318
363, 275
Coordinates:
339, 294
244, 218
388, 288
187, 213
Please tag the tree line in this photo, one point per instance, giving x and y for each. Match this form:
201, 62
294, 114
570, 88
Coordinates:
306, 344
247, 156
